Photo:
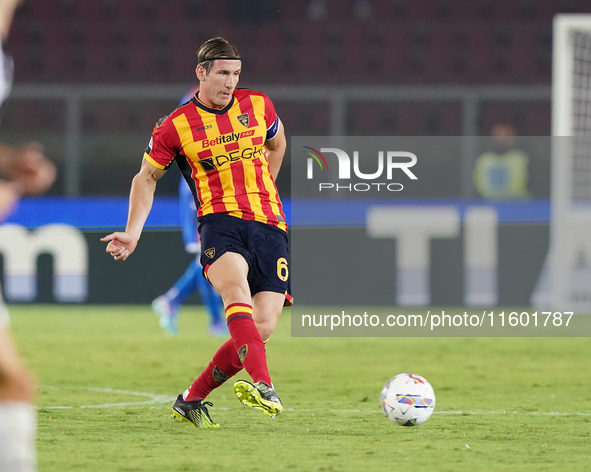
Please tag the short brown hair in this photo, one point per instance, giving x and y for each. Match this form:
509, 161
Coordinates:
215, 48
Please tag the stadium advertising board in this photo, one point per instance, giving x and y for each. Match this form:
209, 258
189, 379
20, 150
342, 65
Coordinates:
409, 252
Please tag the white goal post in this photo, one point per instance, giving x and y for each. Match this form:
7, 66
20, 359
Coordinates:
570, 224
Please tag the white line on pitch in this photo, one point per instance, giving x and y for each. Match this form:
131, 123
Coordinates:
156, 399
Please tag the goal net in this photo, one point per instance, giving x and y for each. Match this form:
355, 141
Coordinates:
570, 226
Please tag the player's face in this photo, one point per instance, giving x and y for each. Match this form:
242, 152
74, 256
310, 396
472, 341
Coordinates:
217, 86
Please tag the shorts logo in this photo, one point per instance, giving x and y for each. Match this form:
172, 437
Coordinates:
210, 252
242, 352
219, 376
244, 119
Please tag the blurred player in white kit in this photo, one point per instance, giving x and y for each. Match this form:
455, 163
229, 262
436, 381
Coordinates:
23, 171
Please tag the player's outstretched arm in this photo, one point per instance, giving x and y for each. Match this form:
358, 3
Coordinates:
276, 150
122, 244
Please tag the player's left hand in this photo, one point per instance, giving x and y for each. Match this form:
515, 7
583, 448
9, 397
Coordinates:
30, 169
121, 245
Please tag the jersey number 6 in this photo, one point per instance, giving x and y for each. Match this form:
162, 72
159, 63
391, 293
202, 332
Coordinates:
282, 270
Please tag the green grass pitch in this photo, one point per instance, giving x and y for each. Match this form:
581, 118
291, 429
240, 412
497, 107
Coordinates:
107, 376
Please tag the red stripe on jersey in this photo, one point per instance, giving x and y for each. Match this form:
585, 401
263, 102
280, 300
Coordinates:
205, 154
264, 193
240, 194
165, 142
270, 113
279, 204
224, 124
196, 123
257, 140
245, 104
232, 147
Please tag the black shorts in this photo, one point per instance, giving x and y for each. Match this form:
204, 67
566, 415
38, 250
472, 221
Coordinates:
264, 247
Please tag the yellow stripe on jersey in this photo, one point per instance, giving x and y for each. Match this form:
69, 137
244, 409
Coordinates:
225, 172
273, 196
152, 161
191, 148
258, 101
252, 190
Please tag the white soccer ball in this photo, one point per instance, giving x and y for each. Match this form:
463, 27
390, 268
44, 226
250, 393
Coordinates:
408, 399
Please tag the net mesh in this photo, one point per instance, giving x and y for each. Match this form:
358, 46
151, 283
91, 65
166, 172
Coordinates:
581, 119
565, 281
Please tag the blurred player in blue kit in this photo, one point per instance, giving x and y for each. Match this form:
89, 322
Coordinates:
167, 306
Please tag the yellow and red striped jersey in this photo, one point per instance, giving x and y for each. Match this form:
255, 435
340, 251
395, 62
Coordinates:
221, 154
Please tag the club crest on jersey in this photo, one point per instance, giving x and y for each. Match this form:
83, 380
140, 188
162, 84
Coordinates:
244, 119
210, 252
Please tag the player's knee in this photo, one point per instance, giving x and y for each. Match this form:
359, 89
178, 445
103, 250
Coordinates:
266, 330
235, 293
266, 325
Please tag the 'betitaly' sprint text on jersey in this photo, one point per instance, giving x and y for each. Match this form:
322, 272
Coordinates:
221, 154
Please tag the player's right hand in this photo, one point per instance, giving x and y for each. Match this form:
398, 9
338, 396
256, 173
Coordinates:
121, 245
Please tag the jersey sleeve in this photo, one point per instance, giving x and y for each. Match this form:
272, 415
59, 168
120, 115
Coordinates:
164, 144
271, 119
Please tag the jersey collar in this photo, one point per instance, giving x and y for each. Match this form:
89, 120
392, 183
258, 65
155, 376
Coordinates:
215, 111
